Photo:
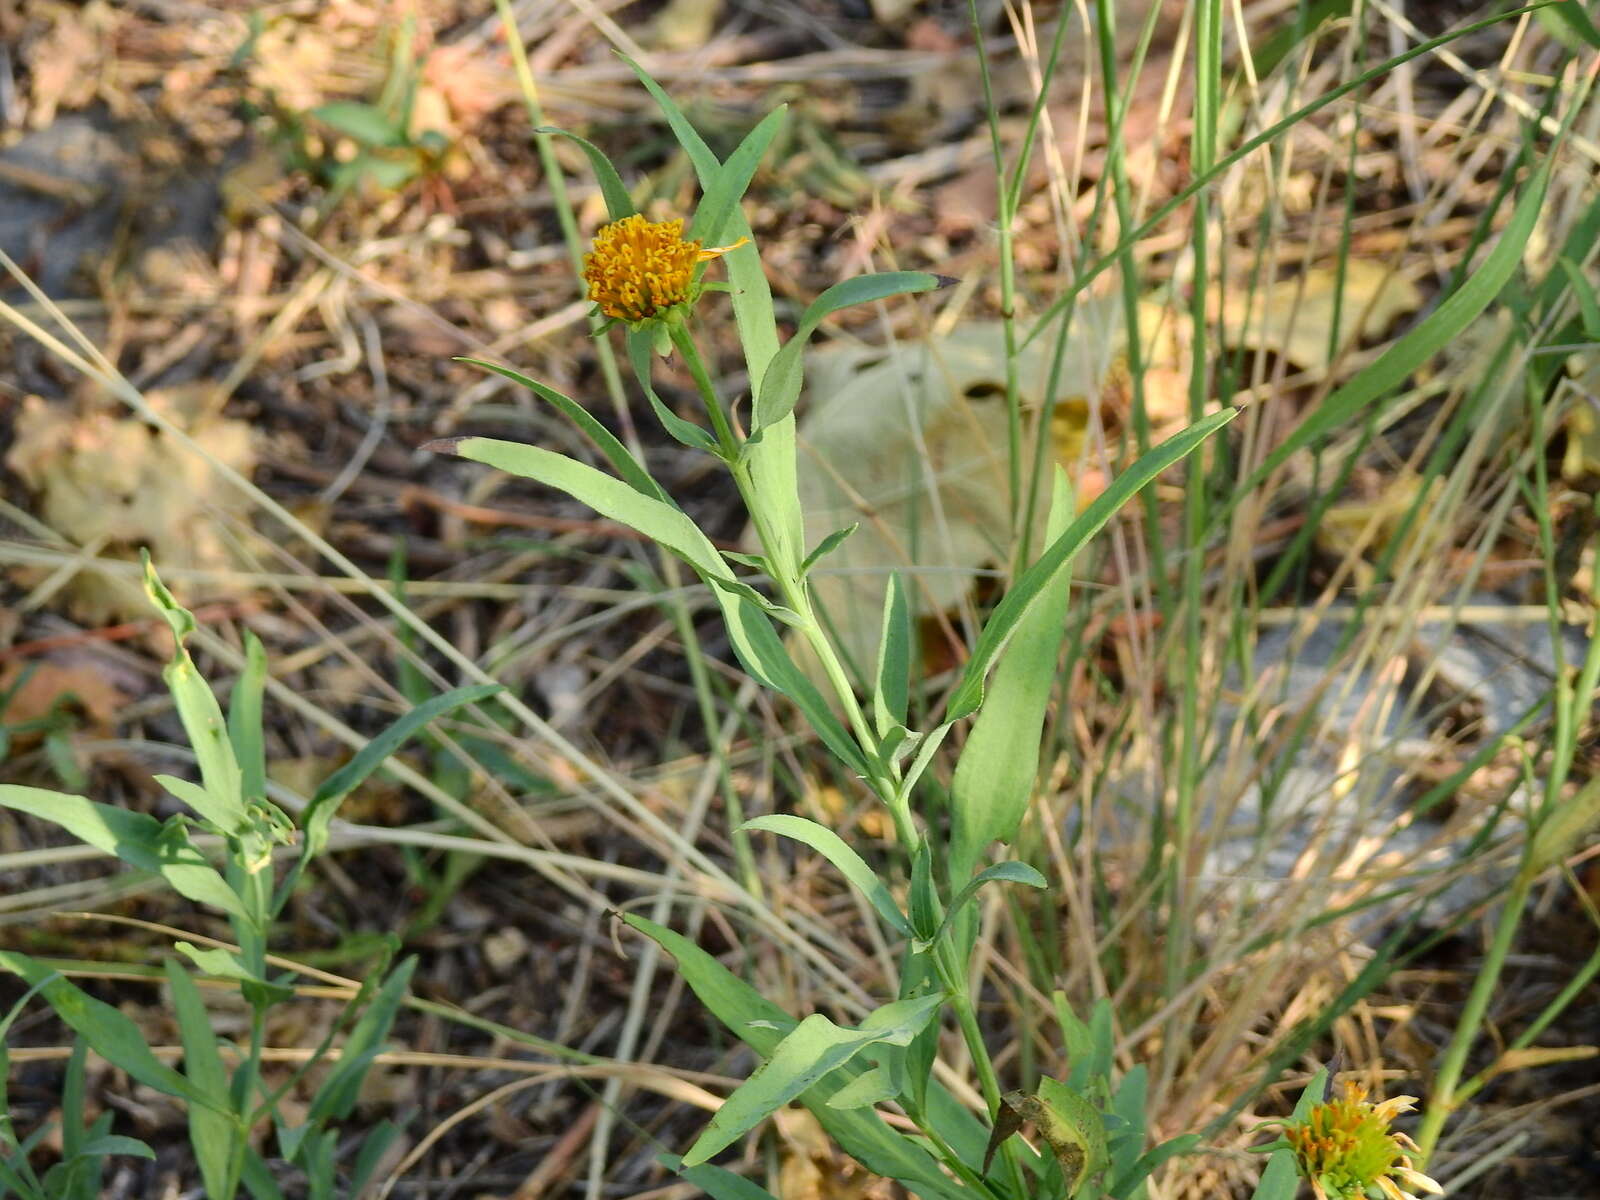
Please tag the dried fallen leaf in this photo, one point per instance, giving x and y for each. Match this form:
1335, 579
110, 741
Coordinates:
1294, 317
77, 681
115, 484
912, 444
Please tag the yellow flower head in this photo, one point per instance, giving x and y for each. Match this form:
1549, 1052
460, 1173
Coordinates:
640, 269
1345, 1148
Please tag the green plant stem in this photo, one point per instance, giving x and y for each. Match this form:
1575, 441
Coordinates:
1445, 1096
794, 593
955, 982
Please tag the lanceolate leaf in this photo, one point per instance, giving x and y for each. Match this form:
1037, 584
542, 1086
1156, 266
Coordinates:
138, 839
754, 641
892, 682
860, 1133
842, 855
808, 1052
110, 1034
727, 188
994, 778
347, 778
605, 441
780, 388
210, 1130
1033, 582
619, 203
201, 715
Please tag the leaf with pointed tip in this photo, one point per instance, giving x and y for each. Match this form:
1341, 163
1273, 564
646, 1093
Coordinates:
619, 203
642, 343
780, 388
828, 545
723, 194
891, 687
841, 854
1035, 581
808, 1052
138, 839
605, 441
1006, 872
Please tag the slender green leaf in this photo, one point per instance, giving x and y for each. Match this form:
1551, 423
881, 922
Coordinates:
1446, 323
200, 714
754, 641
115, 1143
717, 1182
258, 1179
1033, 582
812, 1049
337, 1096
641, 349
842, 855
891, 690
994, 778
373, 1147
722, 195
780, 388
656, 519
1006, 872
860, 1133
619, 203
347, 778
200, 801
828, 545
1571, 17
245, 720
138, 839
605, 441
1583, 291
211, 1131
113, 1036
879, 1085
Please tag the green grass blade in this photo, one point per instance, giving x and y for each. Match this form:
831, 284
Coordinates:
1444, 325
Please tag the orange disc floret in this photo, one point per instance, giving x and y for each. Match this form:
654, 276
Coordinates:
638, 269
